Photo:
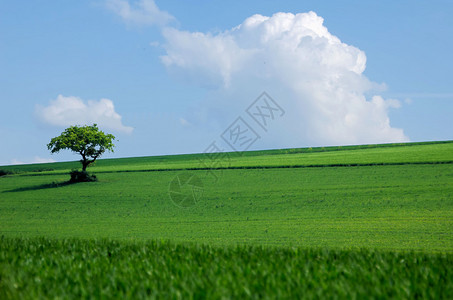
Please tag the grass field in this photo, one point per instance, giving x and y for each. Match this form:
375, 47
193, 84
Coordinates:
75, 268
363, 220
385, 154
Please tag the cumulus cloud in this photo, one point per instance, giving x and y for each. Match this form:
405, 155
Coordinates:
67, 111
208, 59
143, 12
316, 77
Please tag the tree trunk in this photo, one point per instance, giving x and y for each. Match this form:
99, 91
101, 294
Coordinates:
84, 165
84, 162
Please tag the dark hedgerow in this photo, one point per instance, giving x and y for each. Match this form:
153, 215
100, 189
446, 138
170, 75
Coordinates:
81, 176
5, 172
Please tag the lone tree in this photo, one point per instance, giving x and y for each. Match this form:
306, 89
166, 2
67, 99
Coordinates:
88, 141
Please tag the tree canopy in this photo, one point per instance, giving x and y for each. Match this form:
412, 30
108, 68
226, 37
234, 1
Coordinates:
88, 141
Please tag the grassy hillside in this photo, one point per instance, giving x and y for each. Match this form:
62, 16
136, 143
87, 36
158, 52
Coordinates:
349, 222
427, 152
396, 198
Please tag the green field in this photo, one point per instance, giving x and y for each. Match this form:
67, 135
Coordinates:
365, 220
75, 268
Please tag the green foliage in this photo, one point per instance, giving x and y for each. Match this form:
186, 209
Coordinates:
81, 176
88, 141
76, 268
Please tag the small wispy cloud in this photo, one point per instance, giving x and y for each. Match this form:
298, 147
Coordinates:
35, 160
424, 95
143, 12
184, 122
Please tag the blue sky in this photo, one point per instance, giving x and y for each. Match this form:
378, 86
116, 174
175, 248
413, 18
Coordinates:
170, 77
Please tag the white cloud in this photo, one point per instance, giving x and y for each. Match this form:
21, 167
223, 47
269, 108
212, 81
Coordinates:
208, 60
67, 111
425, 95
154, 44
184, 122
316, 78
35, 160
143, 12
15, 161
408, 101
41, 160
